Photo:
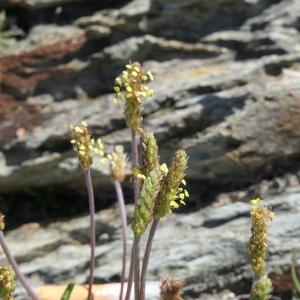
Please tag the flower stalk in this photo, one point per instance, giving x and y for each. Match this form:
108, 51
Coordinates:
170, 195
161, 191
14, 264
122, 209
145, 264
85, 148
117, 164
89, 186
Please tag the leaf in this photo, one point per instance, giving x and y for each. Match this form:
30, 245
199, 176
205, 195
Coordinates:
68, 291
295, 279
2, 20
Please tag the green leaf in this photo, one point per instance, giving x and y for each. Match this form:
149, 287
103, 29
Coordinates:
68, 291
295, 279
2, 20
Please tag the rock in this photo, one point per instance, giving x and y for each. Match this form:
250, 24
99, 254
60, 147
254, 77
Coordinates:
189, 20
207, 249
37, 4
42, 36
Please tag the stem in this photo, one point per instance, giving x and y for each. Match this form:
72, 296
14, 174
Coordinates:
15, 267
146, 258
136, 187
136, 246
120, 197
89, 186
134, 270
130, 276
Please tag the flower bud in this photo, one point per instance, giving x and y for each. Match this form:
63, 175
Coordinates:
150, 158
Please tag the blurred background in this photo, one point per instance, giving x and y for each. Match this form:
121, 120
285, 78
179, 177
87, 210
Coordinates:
227, 89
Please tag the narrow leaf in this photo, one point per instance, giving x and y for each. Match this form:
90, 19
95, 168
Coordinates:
295, 279
68, 291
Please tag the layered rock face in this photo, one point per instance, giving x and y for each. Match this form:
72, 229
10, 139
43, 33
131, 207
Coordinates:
221, 93
206, 248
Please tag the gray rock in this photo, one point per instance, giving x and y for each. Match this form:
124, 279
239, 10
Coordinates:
210, 255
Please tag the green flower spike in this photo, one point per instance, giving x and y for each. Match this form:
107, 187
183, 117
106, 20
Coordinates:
143, 213
261, 289
150, 158
7, 283
130, 89
172, 193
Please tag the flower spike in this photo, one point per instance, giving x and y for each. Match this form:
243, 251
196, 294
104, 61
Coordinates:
130, 88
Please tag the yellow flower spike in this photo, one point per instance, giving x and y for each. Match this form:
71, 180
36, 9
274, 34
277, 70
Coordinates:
183, 181
131, 89
7, 283
82, 144
257, 247
84, 123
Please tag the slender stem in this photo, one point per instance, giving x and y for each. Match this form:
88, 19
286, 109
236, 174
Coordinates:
120, 197
136, 246
15, 267
146, 258
136, 186
130, 276
89, 186
134, 270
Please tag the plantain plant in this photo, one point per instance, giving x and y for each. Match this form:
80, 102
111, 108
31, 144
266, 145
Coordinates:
158, 189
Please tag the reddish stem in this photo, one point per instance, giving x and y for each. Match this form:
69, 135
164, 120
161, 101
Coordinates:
122, 208
16, 268
89, 186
